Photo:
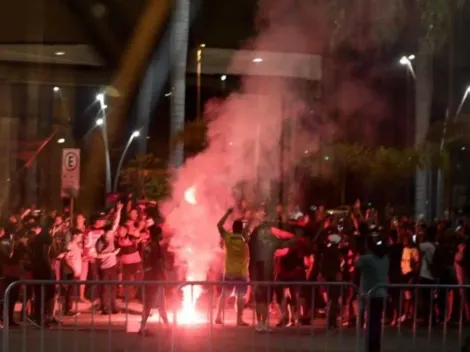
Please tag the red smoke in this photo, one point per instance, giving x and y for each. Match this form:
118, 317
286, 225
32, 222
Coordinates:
244, 132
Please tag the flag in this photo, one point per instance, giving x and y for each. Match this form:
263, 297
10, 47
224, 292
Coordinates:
29, 151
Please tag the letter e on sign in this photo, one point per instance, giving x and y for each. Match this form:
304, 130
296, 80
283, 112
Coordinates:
70, 172
71, 161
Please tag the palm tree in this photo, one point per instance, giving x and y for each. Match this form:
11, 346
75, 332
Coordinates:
179, 53
431, 21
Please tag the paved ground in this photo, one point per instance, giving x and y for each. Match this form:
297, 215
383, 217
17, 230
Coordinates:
116, 333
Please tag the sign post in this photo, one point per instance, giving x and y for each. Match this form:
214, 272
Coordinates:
70, 184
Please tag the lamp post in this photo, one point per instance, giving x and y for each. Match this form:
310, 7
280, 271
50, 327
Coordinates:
199, 74
440, 178
421, 176
406, 61
465, 96
101, 122
134, 135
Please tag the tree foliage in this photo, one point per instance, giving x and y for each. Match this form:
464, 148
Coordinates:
146, 177
383, 21
379, 167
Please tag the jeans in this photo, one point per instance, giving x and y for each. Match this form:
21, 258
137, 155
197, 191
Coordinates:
374, 324
70, 292
427, 301
43, 294
109, 292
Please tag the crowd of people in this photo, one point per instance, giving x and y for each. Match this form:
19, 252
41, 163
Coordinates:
121, 244
356, 247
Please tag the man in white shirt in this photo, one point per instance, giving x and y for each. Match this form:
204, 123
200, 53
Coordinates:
427, 250
73, 267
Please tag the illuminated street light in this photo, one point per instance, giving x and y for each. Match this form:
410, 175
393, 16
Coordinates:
102, 122
56, 89
223, 77
61, 140
406, 61
202, 45
59, 53
100, 98
134, 135
465, 96
257, 59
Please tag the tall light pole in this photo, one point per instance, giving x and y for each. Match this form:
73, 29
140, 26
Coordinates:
199, 80
101, 122
465, 96
134, 135
440, 178
421, 176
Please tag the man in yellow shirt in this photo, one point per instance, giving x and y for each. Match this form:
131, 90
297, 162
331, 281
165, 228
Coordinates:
237, 258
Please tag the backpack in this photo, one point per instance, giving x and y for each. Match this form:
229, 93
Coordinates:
437, 264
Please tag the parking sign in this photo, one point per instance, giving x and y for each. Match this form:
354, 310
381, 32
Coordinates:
70, 172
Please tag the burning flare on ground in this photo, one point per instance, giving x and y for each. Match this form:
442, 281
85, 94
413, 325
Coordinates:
190, 195
188, 314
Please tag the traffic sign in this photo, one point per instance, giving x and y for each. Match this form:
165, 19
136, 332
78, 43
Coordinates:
70, 172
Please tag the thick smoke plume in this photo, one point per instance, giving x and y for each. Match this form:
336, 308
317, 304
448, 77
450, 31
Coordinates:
244, 133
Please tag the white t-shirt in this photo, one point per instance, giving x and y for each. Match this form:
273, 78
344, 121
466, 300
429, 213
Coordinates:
427, 251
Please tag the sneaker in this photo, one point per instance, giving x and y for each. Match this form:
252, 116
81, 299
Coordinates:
262, 328
266, 328
71, 314
259, 327
333, 328
145, 333
54, 322
292, 324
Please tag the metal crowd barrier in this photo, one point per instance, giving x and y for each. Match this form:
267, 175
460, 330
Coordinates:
434, 323
91, 331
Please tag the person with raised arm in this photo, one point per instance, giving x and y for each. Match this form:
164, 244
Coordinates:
236, 265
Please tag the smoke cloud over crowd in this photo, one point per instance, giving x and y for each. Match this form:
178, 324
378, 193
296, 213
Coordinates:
244, 133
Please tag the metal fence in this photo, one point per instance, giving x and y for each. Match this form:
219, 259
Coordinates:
188, 330
423, 317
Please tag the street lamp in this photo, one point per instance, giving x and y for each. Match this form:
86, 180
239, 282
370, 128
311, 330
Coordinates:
56, 89
61, 140
465, 96
440, 177
134, 135
199, 79
101, 121
100, 99
406, 61
223, 77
